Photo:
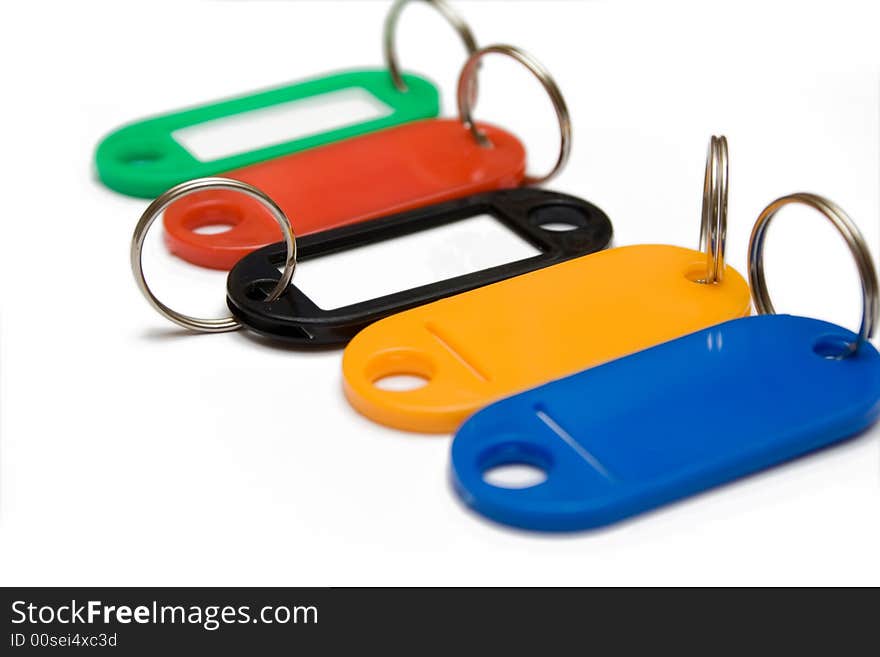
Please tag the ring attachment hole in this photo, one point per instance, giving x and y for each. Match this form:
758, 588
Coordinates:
213, 212
401, 370
697, 273
558, 227
213, 229
141, 158
401, 382
833, 347
558, 218
514, 475
515, 464
260, 290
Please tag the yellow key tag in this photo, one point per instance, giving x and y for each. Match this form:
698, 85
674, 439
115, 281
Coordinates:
475, 348
480, 346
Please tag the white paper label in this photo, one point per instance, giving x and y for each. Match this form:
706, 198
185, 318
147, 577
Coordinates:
409, 261
280, 123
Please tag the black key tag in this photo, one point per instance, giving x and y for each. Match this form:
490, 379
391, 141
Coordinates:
559, 226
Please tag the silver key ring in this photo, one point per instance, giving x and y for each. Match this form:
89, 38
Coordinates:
390, 29
178, 192
467, 99
854, 240
713, 226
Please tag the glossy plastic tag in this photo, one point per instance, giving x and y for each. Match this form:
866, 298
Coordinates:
295, 318
146, 158
668, 422
480, 346
370, 176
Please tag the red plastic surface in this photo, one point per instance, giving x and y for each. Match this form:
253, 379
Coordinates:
381, 173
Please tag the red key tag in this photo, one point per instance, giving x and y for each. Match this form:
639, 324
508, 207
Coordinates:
365, 177
381, 173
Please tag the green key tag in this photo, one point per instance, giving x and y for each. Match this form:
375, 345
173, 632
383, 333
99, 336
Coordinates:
148, 157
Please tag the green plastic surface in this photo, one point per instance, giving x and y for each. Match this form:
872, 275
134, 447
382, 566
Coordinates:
143, 159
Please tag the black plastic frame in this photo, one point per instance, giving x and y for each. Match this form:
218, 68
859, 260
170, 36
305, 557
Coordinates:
294, 318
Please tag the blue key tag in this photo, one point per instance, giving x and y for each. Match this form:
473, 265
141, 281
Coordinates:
627, 436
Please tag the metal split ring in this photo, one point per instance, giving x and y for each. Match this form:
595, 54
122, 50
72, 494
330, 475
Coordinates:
390, 29
176, 193
713, 226
467, 99
854, 240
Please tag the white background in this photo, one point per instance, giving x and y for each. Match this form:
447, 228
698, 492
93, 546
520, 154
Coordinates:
135, 454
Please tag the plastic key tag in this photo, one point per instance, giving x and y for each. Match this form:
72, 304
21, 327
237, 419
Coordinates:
374, 175
635, 433
479, 346
344, 183
148, 157
482, 345
297, 318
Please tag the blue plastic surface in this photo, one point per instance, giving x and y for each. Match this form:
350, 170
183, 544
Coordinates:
668, 422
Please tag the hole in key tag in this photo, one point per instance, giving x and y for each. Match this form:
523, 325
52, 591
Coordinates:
631, 435
147, 157
374, 175
491, 342
187, 189
297, 318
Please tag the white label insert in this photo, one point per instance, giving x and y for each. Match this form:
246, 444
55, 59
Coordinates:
427, 256
280, 123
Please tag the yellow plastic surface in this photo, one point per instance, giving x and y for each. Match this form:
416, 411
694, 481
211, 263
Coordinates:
492, 342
